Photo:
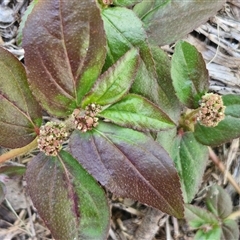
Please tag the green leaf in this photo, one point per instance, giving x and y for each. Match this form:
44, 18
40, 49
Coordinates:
114, 83
232, 102
20, 114
167, 139
136, 112
153, 79
123, 30
230, 230
219, 202
189, 74
227, 129
154, 82
23, 21
213, 233
124, 35
167, 98
191, 163
198, 217
190, 158
65, 49
126, 3
169, 20
129, 164
71, 203
12, 170
3, 192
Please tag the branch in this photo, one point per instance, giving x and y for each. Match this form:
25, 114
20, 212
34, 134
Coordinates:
222, 168
18, 151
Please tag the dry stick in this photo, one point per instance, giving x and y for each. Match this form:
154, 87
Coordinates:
221, 166
234, 215
18, 151
168, 230
149, 226
231, 155
176, 228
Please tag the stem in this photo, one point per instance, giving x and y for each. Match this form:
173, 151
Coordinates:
192, 114
149, 226
18, 151
222, 168
234, 215
188, 120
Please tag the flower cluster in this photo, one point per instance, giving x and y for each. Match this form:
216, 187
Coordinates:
107, 2
51, 138
211, 110
86, 120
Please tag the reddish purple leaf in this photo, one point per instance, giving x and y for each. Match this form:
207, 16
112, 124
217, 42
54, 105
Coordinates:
20, 114
64, 44
13, 170
69, 200
130, 164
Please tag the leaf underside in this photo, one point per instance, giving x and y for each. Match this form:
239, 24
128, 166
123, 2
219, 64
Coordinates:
230, 229
218, 201
166, 21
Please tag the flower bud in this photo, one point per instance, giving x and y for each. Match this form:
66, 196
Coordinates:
86, 119
211, 110
107, 2
51, 137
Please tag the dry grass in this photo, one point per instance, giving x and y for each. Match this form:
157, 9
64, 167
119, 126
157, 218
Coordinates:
218, 40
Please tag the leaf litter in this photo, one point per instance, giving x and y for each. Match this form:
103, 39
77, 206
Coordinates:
218, 41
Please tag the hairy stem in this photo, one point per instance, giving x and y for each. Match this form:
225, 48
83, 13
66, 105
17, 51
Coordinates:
188, 120
18, 151
222, 168
149, 226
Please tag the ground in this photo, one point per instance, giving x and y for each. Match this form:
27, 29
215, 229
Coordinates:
218, 41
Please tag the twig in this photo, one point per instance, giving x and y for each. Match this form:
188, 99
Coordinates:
176, 228
168, 230
220, 165
232, 154
127, 209
149, 226
18, 151
234, 215
19, 219
32, 229
112, 234
218, 30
